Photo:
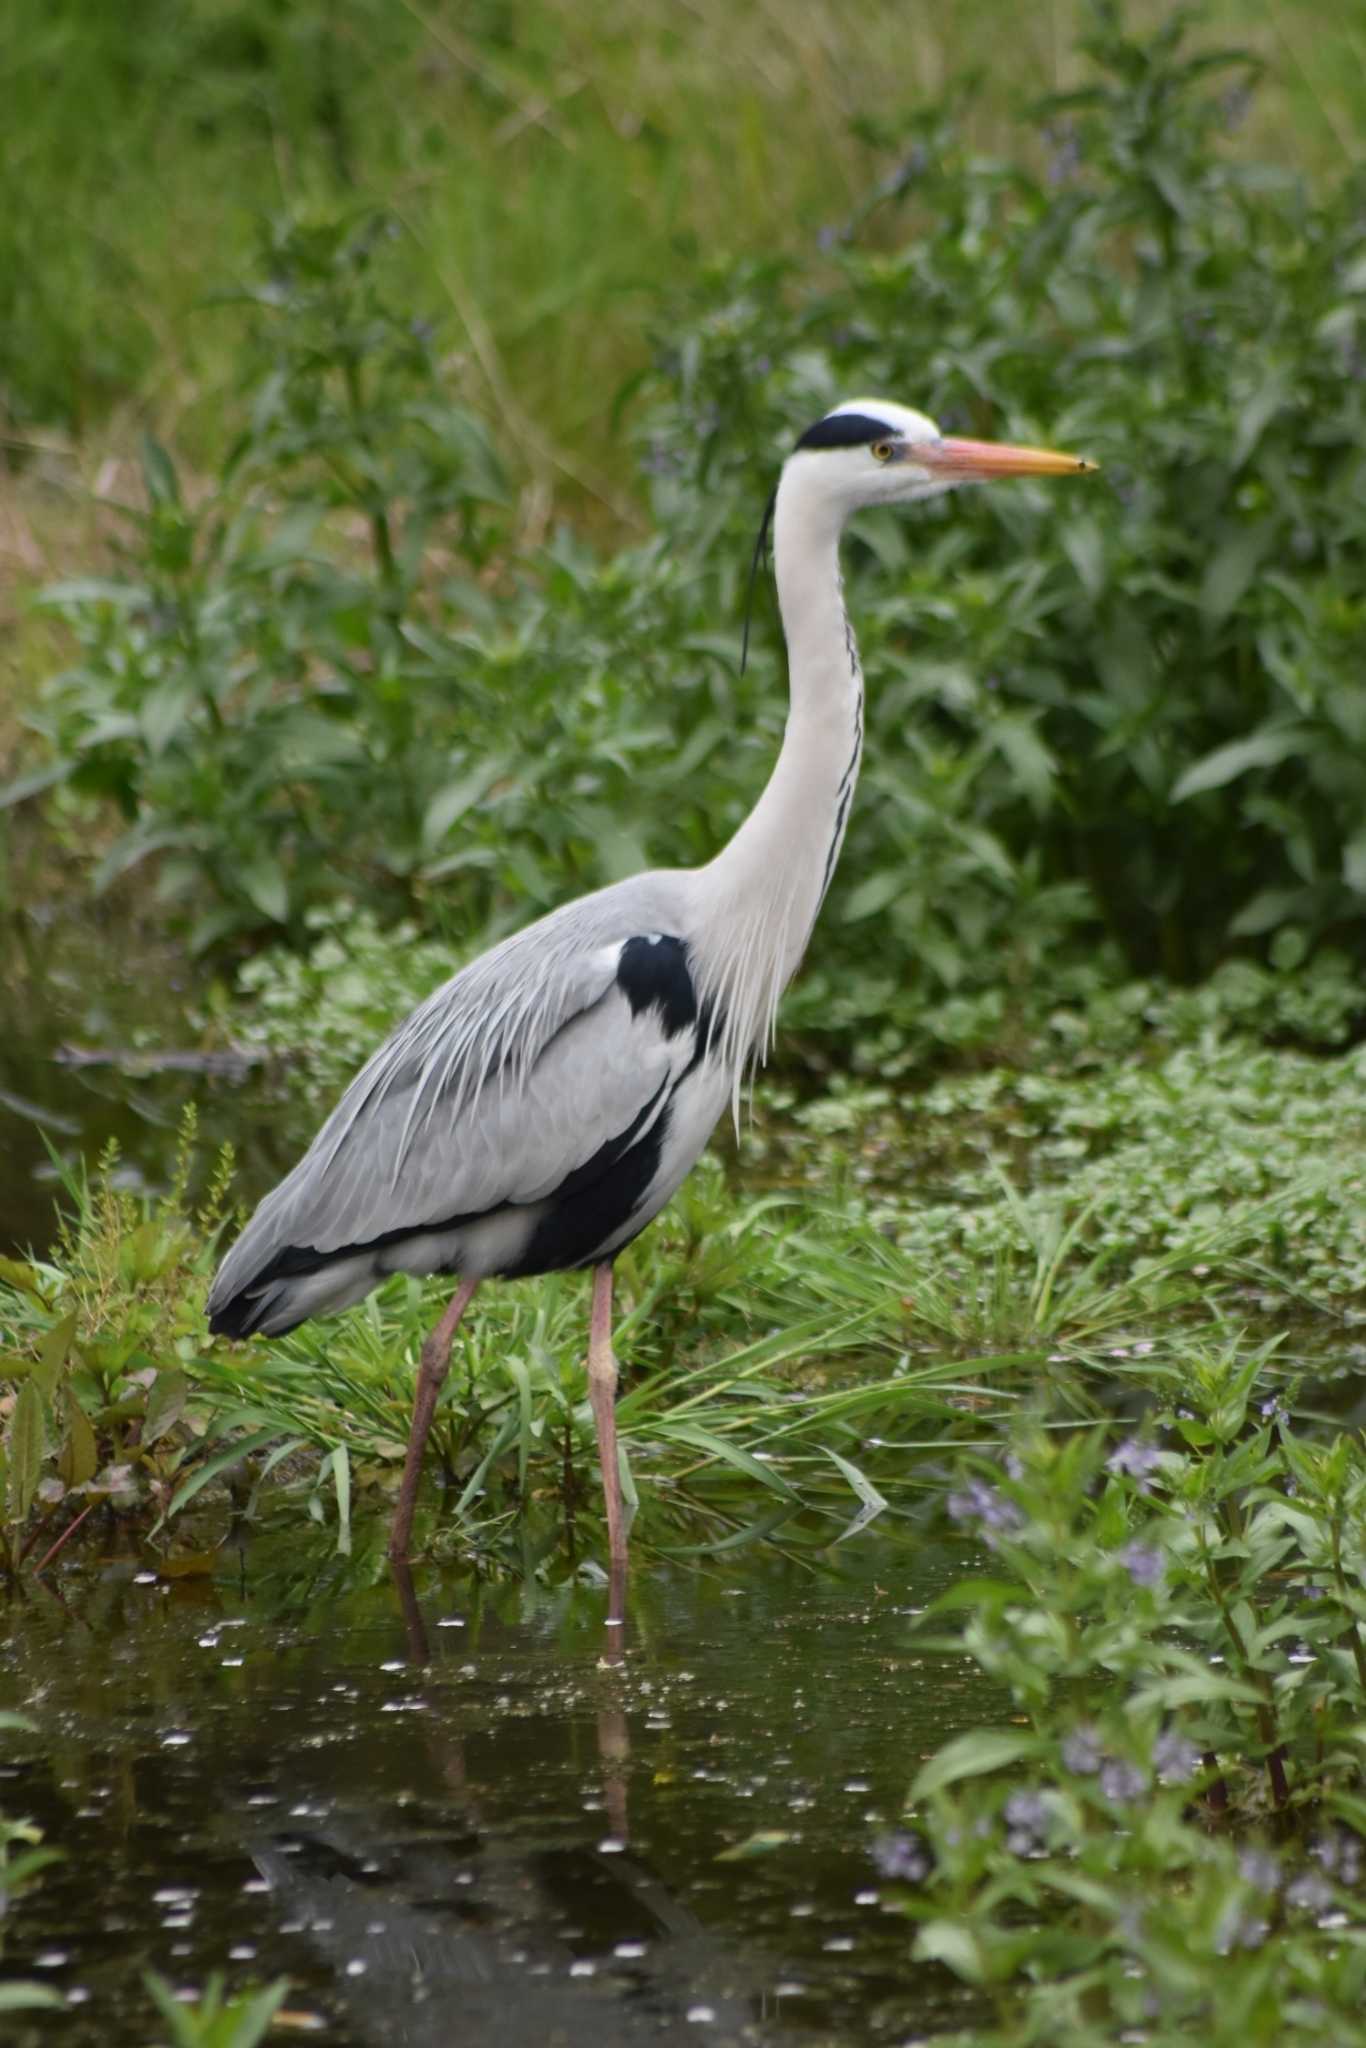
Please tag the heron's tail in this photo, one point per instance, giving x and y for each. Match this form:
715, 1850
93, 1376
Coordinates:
272, 1300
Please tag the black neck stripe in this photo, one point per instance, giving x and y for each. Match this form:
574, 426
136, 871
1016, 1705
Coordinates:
846, 430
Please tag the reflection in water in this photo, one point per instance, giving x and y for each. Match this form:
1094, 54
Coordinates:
451, 1813
72, 994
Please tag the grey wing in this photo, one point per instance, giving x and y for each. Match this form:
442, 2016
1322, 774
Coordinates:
505, 1084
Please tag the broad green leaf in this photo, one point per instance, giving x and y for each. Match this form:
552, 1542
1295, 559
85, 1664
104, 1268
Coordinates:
158, 473
34, 784
1354, 863
1259, 750
54, 1351
26, 1446
264, 884
1231, 568
340, 1463
165, 1404
973, 1755
1258, 414
955, 1946
17, 1273
78, 1460
450, 804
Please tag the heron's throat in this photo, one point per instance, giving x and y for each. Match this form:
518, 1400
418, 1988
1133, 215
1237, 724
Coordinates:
762, 893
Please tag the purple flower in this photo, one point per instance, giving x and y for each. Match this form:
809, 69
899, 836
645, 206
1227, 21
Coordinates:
978, 1502
1026, 1818
1339, 1854
903, 1855
1121, 1781
1175, 1759
1309, 1892
1135, 1460
1260, 1869
1237, 1929
1081, 1752
1145, 1566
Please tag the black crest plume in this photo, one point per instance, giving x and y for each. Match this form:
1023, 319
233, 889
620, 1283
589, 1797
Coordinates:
836, 430
758, 560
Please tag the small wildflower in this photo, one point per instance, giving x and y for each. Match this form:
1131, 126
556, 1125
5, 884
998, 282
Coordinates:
984, 1504
1273, 1409
1175, 1758
1237, 1929
1026, 1817
1145, 1566
1309, 1892
1135, 1460
1081, 1752
1260, 1869
1121, 1781
1339, 1854
903, 1855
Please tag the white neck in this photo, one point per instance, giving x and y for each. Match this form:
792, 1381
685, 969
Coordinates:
758, 899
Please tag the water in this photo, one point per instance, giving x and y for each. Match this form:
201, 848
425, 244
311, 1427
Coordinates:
108, 985
452, 1813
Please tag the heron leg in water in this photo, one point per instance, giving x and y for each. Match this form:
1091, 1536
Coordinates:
602, 1393
436, 1359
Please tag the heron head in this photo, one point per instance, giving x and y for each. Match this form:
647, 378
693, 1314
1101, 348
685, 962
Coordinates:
871, 452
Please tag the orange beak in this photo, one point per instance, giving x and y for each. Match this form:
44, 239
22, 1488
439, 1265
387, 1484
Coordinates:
975, 461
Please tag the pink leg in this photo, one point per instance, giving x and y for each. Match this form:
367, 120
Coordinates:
436, 1359
602, 1389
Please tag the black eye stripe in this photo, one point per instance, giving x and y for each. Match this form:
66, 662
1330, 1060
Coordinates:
846, 430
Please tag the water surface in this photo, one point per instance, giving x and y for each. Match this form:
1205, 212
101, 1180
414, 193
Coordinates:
458, 1813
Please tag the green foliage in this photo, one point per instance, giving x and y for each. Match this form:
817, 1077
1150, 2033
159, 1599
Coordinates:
1179, 1619
750, 1390
216, 2020
259, 698
98, 1342
1127, 707
1134, 702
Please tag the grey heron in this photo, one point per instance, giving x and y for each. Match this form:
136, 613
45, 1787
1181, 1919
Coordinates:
539, 1110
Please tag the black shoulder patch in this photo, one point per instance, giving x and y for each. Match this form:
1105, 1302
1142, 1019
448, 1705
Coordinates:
653, 973
846, 430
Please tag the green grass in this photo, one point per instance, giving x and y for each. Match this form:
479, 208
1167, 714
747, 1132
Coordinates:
808, 1333
560, 169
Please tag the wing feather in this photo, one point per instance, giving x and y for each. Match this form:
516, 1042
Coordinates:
507, 1080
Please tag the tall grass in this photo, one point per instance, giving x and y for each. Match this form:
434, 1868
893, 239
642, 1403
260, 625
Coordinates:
559, 166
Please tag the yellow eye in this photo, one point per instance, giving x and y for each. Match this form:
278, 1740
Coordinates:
882, 451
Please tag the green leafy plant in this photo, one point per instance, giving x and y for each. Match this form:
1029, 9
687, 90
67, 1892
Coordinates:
1134, 708
261, 691
98, 1345
1170, 1834
1128, 715
215, 2019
